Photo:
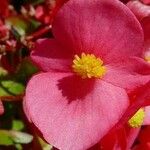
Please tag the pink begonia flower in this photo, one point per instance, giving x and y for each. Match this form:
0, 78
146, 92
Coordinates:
142, 12
132, 133
139, 9
90, 65
142, 99
124, 138
146, 28
129, 134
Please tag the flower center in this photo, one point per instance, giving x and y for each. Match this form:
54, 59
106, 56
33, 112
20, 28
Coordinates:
88, 66
137, 119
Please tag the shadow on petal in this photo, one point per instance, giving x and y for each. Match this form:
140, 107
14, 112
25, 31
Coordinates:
49, 55
50, 48
75, 88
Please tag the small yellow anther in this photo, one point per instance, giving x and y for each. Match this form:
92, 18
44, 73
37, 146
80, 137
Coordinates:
88, 66
137, 119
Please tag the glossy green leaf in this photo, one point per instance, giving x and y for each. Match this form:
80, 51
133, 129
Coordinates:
21, 26
5, 138
9, 87
17, 125
18, 147
18, 23
21, 137
11, 137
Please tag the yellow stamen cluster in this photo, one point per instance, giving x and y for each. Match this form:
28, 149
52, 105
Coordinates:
88, 66
137, 120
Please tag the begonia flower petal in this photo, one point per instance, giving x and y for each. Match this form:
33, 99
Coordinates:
147, 116
146, 27
72, 113
106, 28
128, 75
119, 139
116, 139
131, 134
139, 9
146, 1
125, 79
133, 64
142, 99
144, 138
48, 55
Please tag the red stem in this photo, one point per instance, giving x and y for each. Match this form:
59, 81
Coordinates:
39, 33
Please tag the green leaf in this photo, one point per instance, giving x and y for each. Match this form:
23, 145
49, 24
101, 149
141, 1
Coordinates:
26, 70
9, 87
5, 139
21, 137
33, 25
18, 147
19, 24
17, 125
10, 137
